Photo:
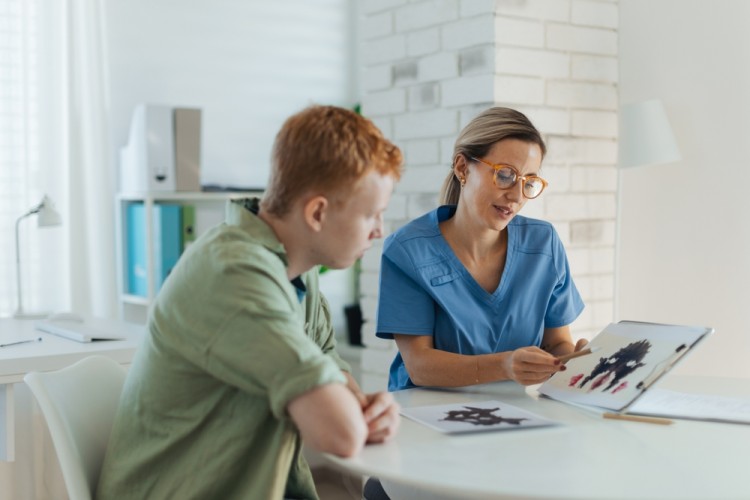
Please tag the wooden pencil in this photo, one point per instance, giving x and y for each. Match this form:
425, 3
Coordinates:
638, 418
577, 354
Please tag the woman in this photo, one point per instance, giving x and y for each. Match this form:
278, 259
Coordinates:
473, 292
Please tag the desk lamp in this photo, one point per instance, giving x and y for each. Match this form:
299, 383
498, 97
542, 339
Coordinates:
646, 139
47, 217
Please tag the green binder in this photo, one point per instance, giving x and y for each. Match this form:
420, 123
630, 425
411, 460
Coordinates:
188, 225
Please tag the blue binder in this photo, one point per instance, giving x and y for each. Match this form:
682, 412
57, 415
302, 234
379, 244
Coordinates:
135, 237
167, 240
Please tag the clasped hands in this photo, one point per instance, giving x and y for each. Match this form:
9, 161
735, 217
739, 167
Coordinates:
381, 413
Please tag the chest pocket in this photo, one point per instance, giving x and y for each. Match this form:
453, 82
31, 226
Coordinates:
442, 280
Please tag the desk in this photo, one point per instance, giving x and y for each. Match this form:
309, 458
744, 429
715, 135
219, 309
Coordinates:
52, 353
587, 457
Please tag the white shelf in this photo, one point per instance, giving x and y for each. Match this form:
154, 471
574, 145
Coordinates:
134, 308
134, 299
188, 196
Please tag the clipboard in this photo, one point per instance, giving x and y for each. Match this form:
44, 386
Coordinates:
629, 358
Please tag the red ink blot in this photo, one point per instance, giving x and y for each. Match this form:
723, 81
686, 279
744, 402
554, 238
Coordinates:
574, 379
620, 387
599, 381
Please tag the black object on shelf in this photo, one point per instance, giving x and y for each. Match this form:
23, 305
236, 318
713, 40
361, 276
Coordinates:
354, 324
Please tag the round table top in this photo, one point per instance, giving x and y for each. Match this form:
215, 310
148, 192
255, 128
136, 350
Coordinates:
585, 457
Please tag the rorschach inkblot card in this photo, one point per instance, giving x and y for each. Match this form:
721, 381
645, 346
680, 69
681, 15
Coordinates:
475, 416
627, 359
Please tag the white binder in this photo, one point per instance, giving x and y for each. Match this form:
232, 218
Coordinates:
147, 162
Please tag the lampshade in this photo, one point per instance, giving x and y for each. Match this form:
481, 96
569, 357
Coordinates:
646, 137
48, 215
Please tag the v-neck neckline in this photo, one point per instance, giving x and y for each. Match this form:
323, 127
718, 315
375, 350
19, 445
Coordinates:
499, 292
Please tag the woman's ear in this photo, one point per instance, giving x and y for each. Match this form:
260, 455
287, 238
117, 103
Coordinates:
460, 168
314, 212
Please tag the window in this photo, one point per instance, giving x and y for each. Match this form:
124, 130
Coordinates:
25, 122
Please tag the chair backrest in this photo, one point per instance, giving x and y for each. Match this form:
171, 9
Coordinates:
79, 404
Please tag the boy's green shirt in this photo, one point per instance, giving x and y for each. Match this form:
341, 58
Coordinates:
229, 345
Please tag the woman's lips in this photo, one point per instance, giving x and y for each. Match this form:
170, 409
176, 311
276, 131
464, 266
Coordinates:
504, 211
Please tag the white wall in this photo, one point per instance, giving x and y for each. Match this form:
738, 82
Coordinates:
685, 235
247, 64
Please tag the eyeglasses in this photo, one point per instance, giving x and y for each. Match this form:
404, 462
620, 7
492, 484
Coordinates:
505, 177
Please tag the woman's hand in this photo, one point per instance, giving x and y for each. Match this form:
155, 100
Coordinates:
531, 365
582, 343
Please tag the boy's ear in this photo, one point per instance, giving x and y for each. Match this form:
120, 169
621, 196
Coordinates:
314, 212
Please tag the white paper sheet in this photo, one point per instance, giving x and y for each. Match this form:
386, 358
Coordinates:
476, 416
666, 403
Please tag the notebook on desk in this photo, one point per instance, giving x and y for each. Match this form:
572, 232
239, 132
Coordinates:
78, 330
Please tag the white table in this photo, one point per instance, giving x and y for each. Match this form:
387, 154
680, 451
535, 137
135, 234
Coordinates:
52, 353
587, 457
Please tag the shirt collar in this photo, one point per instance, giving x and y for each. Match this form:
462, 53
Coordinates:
242, 212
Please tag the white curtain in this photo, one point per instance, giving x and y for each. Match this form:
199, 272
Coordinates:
90, 163
62, 149
28, 146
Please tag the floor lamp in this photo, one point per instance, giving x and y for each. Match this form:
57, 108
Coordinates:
47, 216
645, 139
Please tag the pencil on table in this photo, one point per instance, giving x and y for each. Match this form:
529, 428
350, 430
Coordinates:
638, 418
566, 357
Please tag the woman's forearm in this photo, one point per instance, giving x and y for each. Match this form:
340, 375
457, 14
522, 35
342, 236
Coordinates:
446, 369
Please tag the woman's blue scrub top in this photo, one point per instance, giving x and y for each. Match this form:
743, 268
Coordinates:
426, 290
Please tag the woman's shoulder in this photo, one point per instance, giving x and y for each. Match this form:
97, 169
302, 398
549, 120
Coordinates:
424, 226
535, 232
419, 238
531, 224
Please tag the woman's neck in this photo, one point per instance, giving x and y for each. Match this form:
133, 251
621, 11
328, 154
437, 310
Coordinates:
470, 240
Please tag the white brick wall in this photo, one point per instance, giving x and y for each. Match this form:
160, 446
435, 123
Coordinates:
425, 124
426, 13
467, 33
422, 42
377, 25
421, 152
594, 13
581, 95
594, 68
517, 32
531, 62
477, 60
519, 90
377, 77
437, 67
595, 123
386, 102
580, 39
430, 66
541, 10
381, 50
468, 90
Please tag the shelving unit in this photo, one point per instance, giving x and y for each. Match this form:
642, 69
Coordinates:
209, 209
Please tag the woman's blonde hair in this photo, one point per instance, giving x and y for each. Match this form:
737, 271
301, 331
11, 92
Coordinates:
478, 137
327, 149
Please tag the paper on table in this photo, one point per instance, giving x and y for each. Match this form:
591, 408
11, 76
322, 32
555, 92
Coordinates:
475, 416
666, 403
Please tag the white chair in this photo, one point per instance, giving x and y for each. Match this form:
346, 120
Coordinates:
79, 404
